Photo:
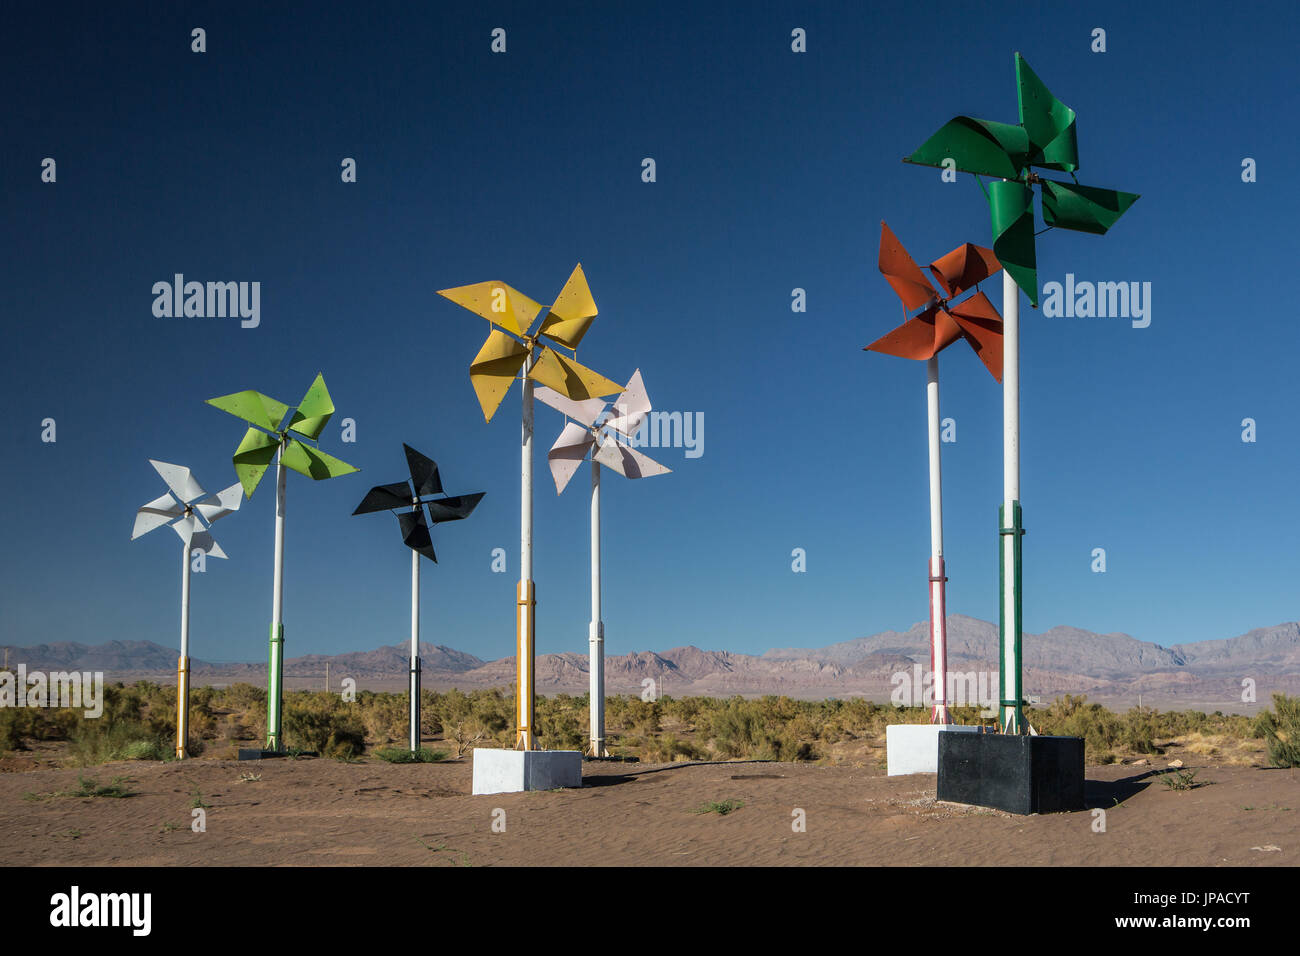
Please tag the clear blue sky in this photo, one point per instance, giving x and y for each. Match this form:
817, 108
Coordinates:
774, 170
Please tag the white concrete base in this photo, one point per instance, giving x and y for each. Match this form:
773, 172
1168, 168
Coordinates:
914, 748
513, 771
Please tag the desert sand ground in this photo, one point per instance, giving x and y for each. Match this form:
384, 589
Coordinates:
326, 812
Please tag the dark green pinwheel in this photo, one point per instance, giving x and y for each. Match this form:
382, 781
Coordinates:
1045, 139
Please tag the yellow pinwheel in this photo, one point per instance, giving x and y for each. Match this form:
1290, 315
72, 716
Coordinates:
511, 346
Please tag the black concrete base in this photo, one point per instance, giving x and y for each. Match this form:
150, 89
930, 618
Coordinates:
1012, 772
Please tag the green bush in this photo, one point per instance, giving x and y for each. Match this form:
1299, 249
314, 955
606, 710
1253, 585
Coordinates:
398, 755
1280, 728
323, 722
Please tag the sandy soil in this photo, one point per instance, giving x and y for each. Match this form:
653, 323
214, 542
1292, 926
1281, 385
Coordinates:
314, 811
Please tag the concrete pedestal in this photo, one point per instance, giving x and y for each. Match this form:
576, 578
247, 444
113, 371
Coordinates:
513, 771
1012, 772
914, 748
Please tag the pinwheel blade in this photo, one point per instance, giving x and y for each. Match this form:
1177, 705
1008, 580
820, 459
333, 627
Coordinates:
312, 462
1012, 213
494, 369
187, 528
902, 273
573, 312
568, 452
415, 533
498, 303
179, 479
453, 508
253, 455
628, 462
982, 327
962, 268
916, 338
203, 541
221, 504
976, 146
424, 472
569, 378
253, 407
1048, 122
586, 411
156, 514
631, 407
1083, 208
385, 498
313, 411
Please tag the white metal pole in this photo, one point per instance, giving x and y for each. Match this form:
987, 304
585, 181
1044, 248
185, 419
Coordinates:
596, 636
183, 665
938, 605
1009, 680
275, 662
415, 648
526, 597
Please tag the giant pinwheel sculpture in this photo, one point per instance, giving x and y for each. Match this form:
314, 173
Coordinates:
419, 494
1045, 139
276, 435
189, 512
514, 345
592, 433
940, 324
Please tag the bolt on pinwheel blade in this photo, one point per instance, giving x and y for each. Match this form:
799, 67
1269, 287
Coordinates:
630, 407
498, 303
179, 479
453, 508
628, 462
570, 378
494, 369
253, 407
221, 504
1048, 122
1012, 213
981, 326
976, 146
252, 457
568, 452
962, 268
155, 514
1083, 208
313, 411
902, 273
915, 339
573, 312
415, 533
204, 542
424, 473
385, 498
586, 411
312, 462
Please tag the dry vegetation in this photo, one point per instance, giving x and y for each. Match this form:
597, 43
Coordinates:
139, 723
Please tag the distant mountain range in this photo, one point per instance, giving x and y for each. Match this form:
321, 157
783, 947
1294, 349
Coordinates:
1113, 668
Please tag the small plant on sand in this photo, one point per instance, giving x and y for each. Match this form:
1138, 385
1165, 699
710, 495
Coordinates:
196, 800
720, 807
1182, 780
247, 777
399, 755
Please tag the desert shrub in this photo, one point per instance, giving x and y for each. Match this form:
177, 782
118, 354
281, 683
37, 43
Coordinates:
469, 720
1280, 728
562, 722
323, 722
385, 715
399, 755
